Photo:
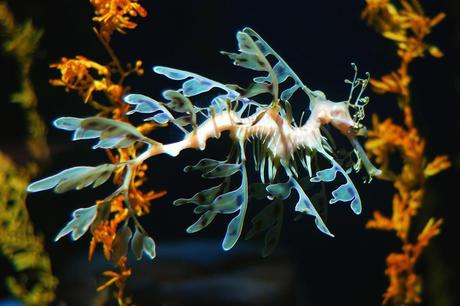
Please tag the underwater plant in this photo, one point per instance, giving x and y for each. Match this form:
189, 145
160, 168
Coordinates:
284, 150
32, 280
406, 24
20, 41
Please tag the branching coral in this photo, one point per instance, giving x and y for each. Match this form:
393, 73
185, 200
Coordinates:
405, 23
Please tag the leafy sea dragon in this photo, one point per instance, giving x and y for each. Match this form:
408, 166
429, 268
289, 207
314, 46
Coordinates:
279, 143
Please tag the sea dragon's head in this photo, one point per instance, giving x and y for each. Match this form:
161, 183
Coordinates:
336, 114
346, 117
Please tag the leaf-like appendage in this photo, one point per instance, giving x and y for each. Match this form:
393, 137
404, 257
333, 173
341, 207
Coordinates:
149, 247
272, 238
110, 128
281, 68
120, 244
147, 105
345, 192
269, 219
250, 61
67, 123
204, 220
196, 84
137, 244
204, 165
203, 197
143, 104
255, 89
52, 181
226, 203
287, 93
96, 176
211, 202
178, 102
250, 55
233, 231
140, 244
304, 204
326, 175
161, 118
74, 178
364, 160
280, 190
112, 133
82, 220
222, 170
235, 226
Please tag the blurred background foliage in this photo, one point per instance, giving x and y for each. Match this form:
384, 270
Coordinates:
319, 40
28, 274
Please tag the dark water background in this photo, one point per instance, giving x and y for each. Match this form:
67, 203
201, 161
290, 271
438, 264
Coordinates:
318, 39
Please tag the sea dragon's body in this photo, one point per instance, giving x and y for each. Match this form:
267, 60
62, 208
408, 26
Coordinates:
278, 143
281, 138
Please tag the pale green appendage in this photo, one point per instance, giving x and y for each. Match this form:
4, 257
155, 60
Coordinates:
364, 160
269, 219
161, 112
304, 204
217, 200
281, 68
74, 178
251, 57
254, 53
147, 105
195, 84
79, 225
141, 244
181, 104
111, 134
345, 192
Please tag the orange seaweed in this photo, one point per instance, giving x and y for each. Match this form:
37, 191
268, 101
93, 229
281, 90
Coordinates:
405, 23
